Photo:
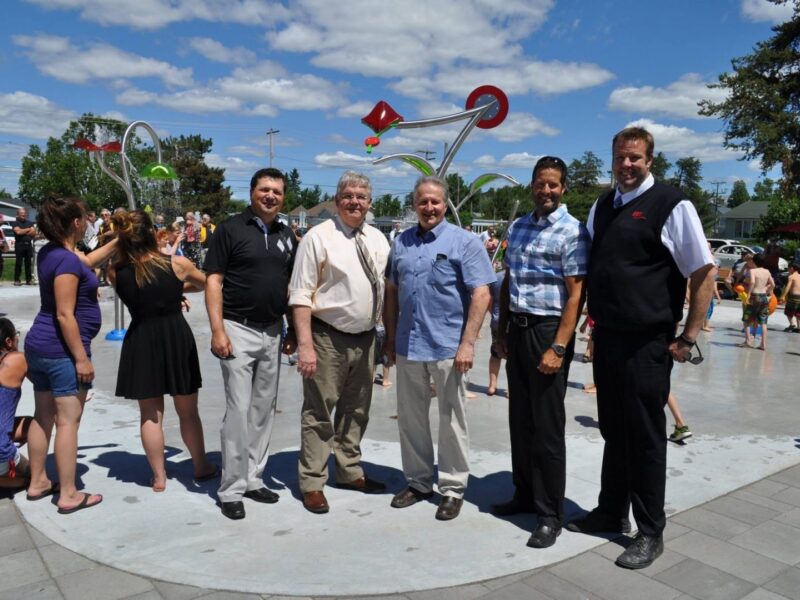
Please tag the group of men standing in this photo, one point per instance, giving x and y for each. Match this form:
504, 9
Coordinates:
642, 241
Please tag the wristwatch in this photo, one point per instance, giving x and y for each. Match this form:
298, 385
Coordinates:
559, 350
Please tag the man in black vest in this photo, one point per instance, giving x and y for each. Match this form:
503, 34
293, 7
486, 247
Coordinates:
646, 241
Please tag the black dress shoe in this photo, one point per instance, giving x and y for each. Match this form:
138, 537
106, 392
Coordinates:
365, 485
598, 521
642, 552
544, 536
512, 507
449, 508
262, 495
408, 497
233, 510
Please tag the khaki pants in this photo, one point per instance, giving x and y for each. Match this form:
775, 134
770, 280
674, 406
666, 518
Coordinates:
343, 382
413, 407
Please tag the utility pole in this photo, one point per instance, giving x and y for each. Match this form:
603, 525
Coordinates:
716, 204
429, 154
270, 133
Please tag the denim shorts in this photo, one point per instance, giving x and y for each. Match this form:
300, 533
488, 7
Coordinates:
56, 375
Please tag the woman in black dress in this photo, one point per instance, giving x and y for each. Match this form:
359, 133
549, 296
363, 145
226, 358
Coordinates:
159, 354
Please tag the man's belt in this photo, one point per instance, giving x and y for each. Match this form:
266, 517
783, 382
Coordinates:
326, 325
526, 320
260, 325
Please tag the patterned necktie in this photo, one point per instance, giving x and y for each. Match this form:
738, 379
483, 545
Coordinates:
617, 201
371, 273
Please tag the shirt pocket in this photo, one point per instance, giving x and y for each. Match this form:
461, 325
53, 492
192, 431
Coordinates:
443, 274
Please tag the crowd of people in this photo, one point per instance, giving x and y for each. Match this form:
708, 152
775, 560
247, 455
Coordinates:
324, 295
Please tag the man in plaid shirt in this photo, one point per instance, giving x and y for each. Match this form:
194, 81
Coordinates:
540, 301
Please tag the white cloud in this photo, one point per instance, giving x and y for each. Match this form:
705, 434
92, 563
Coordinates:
155, 14
515, 160
341, 159
251, 150
31, 116
520, 77
761, 10
680, 142
57, 57
678, 99
520, 126
190, 101
355, 109
213, 50
256, 91
231, 163
487, 31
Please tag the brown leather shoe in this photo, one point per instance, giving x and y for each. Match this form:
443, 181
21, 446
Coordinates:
315, 502
408, 497
449, 508
364, 485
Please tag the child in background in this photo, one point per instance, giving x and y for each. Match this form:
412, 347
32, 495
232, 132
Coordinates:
14, 470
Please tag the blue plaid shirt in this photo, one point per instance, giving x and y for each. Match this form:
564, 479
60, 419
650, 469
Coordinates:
540, 253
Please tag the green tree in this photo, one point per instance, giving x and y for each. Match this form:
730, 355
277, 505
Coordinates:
660, 166
386, 205
292, 196
761, 107
61, 169
781, 212
739, 194
766, 190
688, 176
201, 187
310, 197
584, 173
5, 195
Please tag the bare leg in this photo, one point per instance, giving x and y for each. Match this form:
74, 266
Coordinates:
763, 345
151, 424
39, 441
672, 404
386, 380
494, 371
192, 433
747, 335
69, 410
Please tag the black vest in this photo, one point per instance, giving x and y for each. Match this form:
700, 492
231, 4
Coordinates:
633, 282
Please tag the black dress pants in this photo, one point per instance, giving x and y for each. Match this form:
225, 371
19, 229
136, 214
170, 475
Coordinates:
536, 419
24, 255
632, 375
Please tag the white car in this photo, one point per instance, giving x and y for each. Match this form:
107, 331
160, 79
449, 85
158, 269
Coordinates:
8, 232
717, 242
727, 255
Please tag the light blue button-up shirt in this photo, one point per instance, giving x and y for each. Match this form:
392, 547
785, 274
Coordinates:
435, 273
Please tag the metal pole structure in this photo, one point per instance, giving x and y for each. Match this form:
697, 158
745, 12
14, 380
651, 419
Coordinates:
270, 133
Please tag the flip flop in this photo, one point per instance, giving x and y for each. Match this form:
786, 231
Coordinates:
54, 489
80, 506
209, 476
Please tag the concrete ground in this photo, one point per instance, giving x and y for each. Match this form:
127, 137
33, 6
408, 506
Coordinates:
733, 497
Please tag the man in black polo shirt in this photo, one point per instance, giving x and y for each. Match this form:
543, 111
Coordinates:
24, 232
250, 259
646, 241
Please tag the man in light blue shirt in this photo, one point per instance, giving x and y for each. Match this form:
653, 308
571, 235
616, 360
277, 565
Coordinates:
437, 294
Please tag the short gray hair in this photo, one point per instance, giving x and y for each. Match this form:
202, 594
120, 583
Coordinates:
351, 178
433, 180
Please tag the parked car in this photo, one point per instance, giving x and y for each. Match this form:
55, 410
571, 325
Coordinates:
717, 242
8, 232
728, 254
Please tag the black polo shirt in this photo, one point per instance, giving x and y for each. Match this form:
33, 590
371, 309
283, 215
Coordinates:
23, 239
256, 268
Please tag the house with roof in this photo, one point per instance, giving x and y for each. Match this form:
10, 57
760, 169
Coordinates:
740, 222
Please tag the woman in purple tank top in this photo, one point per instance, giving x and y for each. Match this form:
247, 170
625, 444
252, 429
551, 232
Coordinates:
58, 349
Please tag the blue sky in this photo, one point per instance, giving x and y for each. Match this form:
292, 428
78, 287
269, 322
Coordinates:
575, 72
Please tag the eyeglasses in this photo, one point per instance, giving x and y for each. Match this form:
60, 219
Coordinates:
695, 360
363, 198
